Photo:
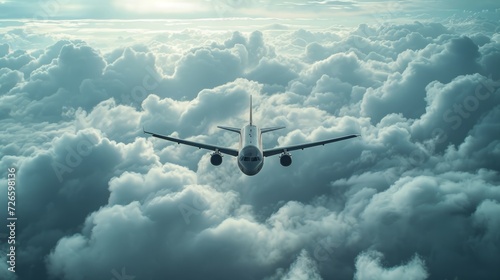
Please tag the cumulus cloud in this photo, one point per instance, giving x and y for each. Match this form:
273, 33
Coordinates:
368, 267
303, 268
416, 197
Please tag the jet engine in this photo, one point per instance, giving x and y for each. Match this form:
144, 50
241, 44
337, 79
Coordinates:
216, 158
286, 159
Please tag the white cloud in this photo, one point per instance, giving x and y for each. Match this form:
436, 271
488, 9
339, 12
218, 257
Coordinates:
369, 267
303, 268
381, 206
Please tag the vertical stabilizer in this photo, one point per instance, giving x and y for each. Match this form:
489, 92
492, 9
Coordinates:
250, 110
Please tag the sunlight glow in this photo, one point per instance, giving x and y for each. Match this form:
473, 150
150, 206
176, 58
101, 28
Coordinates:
157, 6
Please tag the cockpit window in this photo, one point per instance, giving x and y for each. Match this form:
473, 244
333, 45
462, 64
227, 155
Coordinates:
250, 158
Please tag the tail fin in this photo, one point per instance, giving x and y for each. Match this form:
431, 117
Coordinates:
250, 110
234, 129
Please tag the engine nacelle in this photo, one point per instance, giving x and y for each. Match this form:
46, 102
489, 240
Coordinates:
216, 159
286, 159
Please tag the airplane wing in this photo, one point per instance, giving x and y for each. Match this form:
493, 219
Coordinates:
275, 151
223, 150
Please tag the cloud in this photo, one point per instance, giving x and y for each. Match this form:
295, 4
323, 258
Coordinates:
369, 267
303, 268
402, 89
15, 60
207, 67
455, 108
416, 196
263, 73
9, 79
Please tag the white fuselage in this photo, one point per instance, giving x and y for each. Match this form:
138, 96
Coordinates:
250, 156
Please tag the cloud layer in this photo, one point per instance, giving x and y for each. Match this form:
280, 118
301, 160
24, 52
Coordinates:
417, 197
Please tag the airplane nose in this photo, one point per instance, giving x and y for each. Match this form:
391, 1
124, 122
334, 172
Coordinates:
250, 160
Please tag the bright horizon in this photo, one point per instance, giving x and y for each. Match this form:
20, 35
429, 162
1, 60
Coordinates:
149, 9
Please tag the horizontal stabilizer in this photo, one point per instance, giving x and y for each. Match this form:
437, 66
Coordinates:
233, 129
267, 129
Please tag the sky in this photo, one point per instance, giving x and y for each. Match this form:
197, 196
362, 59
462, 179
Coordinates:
416, 197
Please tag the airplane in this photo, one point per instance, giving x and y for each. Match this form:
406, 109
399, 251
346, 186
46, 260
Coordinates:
250, 155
